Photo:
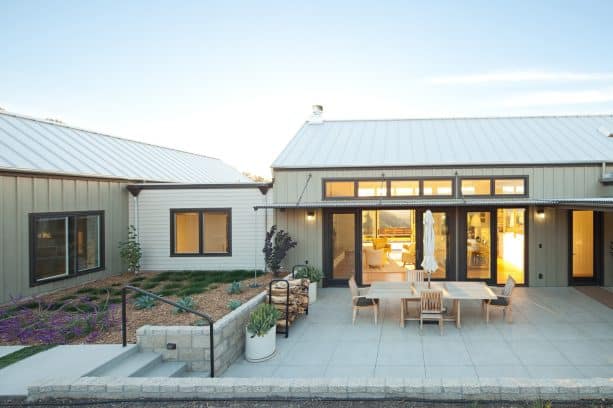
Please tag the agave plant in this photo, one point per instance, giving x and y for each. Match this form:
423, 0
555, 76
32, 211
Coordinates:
235, 288
234, 304
262, 319
144, 302
185, 301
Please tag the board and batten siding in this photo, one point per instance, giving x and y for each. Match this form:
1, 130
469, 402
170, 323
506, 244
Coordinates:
248, 227
549, 259
22, 195
543, 182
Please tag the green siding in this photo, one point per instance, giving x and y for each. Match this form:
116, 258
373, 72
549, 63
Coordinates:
22, 195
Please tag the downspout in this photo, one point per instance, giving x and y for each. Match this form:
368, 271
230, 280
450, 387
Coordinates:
604, 170
136, 218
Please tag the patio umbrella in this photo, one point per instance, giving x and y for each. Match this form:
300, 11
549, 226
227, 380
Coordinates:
429, 263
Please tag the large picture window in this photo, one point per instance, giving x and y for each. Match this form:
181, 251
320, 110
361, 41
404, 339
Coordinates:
65, 244
201, 232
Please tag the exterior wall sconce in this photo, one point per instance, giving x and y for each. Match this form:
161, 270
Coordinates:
310, 216
540, 212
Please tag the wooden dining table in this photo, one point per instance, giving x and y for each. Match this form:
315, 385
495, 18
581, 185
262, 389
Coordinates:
454, 291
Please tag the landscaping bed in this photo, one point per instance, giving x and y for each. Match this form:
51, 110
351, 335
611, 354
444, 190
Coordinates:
90, 313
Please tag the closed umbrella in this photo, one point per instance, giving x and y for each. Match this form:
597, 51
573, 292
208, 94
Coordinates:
429, 263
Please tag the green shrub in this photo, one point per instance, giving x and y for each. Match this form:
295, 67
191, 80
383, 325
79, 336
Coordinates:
309, 272
130, 250
149, 285
144, 302
234, 304
185, 301
192, 290
235, 288
173, 285
262, 319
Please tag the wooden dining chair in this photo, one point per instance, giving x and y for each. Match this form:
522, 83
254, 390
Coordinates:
503, 301
359, 301
431, 307
416, 278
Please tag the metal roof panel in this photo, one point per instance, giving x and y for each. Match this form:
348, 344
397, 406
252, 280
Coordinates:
34, 145
452, 141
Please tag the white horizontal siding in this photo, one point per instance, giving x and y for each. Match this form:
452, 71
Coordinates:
248, 227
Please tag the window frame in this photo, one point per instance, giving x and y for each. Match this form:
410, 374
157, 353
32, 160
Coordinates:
200, 212
493, 180
72, 249
476, 178
388, 182
526, 188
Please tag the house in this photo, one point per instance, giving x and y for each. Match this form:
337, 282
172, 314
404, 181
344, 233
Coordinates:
527, 197
65, 206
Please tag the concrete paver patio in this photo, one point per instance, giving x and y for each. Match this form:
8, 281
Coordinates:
556, 333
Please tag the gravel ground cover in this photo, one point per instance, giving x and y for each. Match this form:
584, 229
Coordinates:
207, 291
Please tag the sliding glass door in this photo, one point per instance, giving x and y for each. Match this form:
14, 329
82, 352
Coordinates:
493, 245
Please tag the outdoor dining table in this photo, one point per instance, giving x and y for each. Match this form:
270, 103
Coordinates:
454, 291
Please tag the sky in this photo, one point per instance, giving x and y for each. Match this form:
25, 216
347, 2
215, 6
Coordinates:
236, 80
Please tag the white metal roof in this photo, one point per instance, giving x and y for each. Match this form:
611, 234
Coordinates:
450, 142
38, 146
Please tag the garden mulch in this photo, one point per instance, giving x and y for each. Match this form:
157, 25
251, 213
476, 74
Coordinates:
212, 301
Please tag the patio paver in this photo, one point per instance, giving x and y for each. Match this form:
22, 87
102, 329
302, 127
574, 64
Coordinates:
550, 337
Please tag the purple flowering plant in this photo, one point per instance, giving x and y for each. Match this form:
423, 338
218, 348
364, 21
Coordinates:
37, 321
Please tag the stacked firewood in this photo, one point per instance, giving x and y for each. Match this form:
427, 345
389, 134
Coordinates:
298, 299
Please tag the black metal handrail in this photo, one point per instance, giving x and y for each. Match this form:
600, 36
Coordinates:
124, 334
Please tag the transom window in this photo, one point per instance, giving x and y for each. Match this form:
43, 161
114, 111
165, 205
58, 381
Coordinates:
510, 186
65, 244
488, 186
494, 186
404, 188
387, 188
476, 187
372, 188
438, 187
201, 232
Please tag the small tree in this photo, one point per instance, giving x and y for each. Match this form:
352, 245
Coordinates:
276, 246
130, 250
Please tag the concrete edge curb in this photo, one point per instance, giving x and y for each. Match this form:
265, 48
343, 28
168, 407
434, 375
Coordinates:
490, 389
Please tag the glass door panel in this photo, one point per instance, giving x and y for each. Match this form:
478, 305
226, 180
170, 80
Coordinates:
583, 244
478, 245
510, 244
388, 244
343, 246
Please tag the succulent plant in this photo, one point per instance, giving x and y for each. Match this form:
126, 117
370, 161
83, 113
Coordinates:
234, 304
144, 302
185, 301
235, 288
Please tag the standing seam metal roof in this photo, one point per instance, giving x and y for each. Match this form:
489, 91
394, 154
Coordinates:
38, 146
451, 141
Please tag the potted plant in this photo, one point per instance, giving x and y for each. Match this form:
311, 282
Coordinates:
276, 246
314, 275
260, 333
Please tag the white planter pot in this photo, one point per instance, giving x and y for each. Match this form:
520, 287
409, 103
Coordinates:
312, 292
260, 348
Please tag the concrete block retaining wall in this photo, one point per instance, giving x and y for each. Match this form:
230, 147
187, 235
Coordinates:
503, 389
193, 342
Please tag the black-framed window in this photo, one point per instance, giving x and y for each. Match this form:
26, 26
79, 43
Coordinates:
494, 186
470, 186
387, 187
201, 232
65, 244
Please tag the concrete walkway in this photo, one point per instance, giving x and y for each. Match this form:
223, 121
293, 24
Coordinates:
6, 350
61, 362
556, 333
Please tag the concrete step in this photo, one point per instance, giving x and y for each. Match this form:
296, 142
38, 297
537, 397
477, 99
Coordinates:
131, 366
125, 353
165, 369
